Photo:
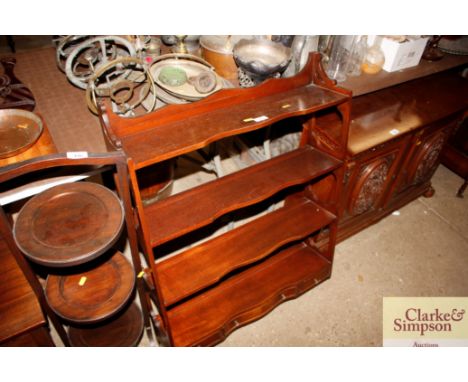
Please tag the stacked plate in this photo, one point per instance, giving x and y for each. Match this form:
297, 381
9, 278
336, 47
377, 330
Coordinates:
71, 229
67, 227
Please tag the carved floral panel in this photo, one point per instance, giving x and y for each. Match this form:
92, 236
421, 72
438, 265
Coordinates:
429, 159
370, 185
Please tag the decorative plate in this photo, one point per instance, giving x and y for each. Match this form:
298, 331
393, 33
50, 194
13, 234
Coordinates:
69, 224
19, 130
94, 295
123, 331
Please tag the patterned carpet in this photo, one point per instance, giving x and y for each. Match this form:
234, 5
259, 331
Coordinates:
72, 126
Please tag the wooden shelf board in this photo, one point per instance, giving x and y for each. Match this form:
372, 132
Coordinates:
210, 317
157, 143
367, 83
204, 265
184, 212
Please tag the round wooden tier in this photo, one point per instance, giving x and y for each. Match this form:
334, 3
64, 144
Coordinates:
124, 330
92, 296
69, 224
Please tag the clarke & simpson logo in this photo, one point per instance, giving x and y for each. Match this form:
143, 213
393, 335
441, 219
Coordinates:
418, 321
425, 321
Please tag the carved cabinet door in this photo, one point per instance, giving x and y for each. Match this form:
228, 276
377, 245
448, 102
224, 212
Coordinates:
369, 186
424, 156
371, 177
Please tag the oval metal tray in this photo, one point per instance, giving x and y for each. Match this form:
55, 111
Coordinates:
186, 91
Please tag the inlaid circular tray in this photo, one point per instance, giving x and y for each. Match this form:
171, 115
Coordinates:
123, 331
19, 130
69, 224
94, 295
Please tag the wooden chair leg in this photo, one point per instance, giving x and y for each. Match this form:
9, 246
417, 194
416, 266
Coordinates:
462, 189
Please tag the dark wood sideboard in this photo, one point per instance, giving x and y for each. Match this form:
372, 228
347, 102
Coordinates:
396, 137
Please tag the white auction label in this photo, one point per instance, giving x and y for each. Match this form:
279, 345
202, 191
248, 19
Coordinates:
256, 119
77, 154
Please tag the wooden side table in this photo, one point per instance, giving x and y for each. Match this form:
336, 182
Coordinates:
22, 323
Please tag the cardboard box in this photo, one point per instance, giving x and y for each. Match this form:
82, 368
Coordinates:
401, 55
